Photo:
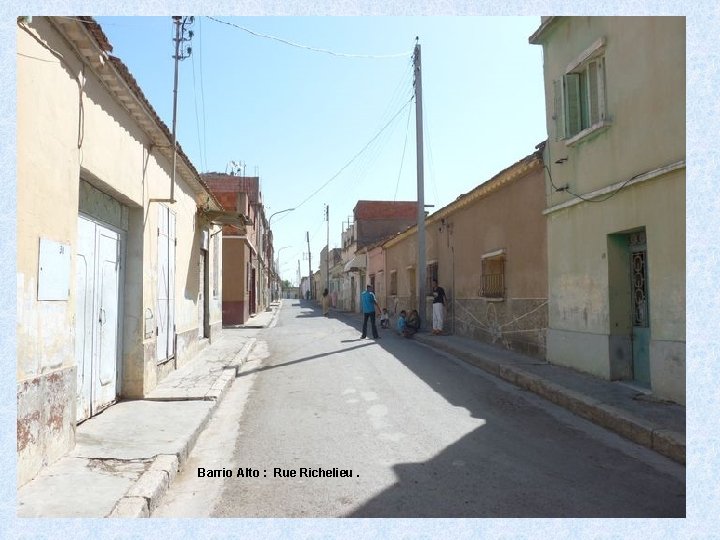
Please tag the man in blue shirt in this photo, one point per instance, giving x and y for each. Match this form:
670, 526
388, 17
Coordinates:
369, 306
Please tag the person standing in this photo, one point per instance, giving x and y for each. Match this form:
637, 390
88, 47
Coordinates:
369, 306
438, 308
326, 302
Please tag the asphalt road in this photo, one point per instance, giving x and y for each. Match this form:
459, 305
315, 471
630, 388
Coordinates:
418, 434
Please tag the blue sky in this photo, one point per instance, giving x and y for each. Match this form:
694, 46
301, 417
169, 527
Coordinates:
304, 119
153, 45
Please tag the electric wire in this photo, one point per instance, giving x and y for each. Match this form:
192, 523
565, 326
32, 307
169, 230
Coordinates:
197, 118
202, 94
593, 200
326, 51
431, 160
402, 158
353, 158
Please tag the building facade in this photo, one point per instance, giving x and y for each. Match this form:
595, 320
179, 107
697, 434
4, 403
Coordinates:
615, 206
247, 248
118, 262
372, 222
487, 249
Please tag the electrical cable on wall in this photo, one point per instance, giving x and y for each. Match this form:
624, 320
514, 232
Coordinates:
567, 189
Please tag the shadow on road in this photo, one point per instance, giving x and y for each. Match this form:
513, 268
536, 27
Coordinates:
522, 462
299, 360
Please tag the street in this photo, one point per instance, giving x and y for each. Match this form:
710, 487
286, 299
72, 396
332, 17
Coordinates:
321, 423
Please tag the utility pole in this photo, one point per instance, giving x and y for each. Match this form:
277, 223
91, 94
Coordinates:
180, 23
307, 235
327, 253
421, 270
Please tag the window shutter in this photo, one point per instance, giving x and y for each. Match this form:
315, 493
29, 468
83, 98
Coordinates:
601, 88
593, 92
571, 84
558, 110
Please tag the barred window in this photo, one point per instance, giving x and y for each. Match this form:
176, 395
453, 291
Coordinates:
393, 282
430, 276
493, 275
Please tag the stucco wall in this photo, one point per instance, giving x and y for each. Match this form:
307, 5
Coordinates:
508, 218
70, 128
645, 98
645, 94
234, 277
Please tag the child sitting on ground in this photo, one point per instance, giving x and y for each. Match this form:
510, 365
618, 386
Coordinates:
412, 324
384, 319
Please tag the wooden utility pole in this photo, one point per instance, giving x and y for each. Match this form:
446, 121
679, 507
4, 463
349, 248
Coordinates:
307, 235
327, 249
421, 270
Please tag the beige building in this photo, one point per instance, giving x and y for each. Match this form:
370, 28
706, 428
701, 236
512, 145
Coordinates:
615, 101
487, 249
117, 265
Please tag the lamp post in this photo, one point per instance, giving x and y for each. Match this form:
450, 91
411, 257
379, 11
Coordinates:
278, 212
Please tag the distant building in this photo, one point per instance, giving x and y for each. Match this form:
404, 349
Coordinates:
247, 248
372, 222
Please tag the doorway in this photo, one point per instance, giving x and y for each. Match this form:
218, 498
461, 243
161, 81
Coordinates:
629, 307
98, 278
166, 246
640, 309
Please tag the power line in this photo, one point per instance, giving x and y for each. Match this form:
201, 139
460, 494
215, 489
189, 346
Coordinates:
431, 159
197, 118
355, 156
326, 51
202, 94
402, 159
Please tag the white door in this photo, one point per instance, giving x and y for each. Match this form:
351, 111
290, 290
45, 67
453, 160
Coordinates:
201, 295
97, 278
166, 284
108, 260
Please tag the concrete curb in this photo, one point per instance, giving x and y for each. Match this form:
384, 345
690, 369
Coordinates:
146, 494
668, 443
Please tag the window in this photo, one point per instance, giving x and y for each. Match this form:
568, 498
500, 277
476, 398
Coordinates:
372, 280
579, 95
493, 275
430, 276
393, 282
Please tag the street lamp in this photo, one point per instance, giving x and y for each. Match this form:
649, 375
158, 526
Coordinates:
279, 212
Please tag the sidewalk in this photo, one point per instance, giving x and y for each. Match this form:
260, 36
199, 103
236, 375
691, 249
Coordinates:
126, 457
616, 406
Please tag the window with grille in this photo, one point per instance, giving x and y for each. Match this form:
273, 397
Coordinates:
430, 276
493, 275
393, 282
